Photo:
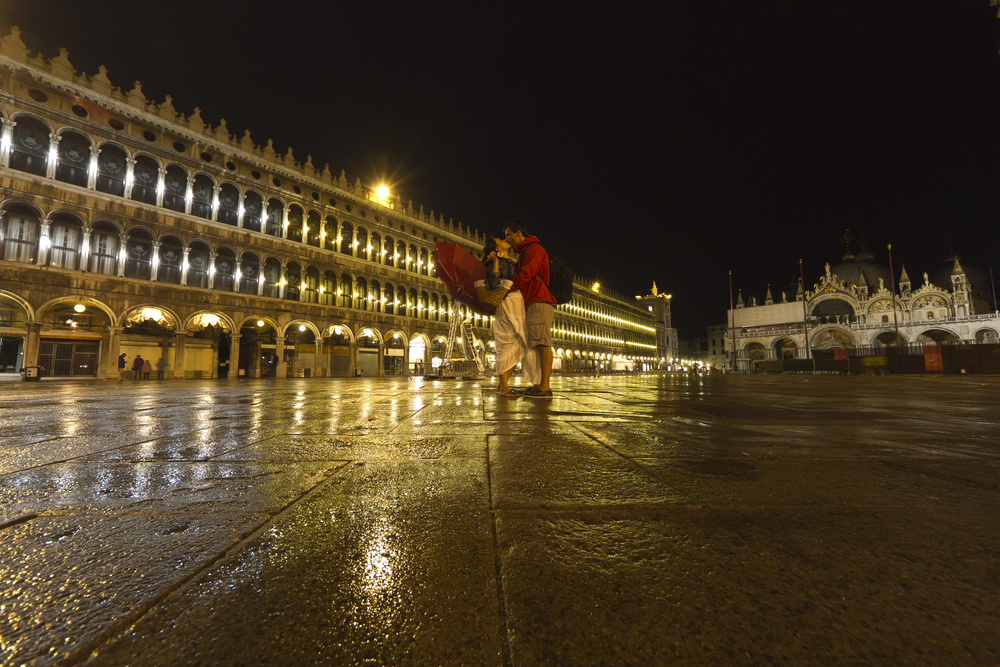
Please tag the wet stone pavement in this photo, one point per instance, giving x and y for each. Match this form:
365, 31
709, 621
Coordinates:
648, 520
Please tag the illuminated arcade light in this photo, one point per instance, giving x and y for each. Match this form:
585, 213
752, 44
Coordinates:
79, 308
260, 323
302, 327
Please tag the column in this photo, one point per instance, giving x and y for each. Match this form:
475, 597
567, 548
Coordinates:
85, 250
114, 349
381, 359
184, 266
31, 344
122, 254
260, 280
280, 368
215, 358
44, 242
322, 234
281, 284
353, 366
234, 357
253, 368
211, 269
284, 222
154, 261
189, 195
318, 369
129, 176
179, 339
53, 158
215, 203
239, 213
161, 185
6, 141
92, 171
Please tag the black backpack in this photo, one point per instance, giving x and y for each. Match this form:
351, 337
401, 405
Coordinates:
560, 276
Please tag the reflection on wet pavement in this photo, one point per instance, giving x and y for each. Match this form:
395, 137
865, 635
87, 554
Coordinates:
631, 520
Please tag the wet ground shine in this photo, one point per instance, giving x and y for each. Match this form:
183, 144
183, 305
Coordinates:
645, 520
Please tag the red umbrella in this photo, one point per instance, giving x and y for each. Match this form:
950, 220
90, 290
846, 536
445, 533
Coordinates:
459, 271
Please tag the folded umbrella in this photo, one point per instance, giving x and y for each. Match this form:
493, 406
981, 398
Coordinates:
459, 271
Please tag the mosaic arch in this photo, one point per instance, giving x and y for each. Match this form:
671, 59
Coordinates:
205, 319
937, 337
888, 338
832, 338
301, 327
336, 330
163, 317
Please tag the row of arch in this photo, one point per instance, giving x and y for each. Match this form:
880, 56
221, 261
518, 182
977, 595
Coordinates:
70, 156
63, 240
842, 337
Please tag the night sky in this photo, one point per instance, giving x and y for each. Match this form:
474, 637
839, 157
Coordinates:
669, 141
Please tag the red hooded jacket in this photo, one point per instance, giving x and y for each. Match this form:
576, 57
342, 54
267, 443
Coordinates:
532, 277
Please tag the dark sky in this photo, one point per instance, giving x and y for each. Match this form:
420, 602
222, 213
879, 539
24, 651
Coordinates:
667, 141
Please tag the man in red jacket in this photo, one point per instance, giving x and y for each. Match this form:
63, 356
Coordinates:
532, 280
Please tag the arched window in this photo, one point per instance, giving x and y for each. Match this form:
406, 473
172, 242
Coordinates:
388, 251
311, 281
171, 256
174, 188
413, 305
401, 307
229, 204
104, 242
313, 223
74, 159
375, 243
361, 300
347, 239
31, 146
249, 273
411, 259
145, 175
20, 235
198, 265
422, 265
401, 255
253, 208
444, 309
435, 308
424, 307
346, 291
138, 254
272, 278
275, 218
329, 289
225, 270
202, 191
361, 244
331, 233
389, 294
293, 281
65, 234
111, 170
376, 296
295, 218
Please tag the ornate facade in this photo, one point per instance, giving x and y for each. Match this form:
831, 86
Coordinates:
126, 226
852, 306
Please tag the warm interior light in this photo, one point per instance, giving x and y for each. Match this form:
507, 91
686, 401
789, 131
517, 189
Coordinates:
260, 323
302, 327
79, 308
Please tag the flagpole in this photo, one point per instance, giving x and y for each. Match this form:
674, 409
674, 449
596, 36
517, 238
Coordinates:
892, 284
805, 318
732, 321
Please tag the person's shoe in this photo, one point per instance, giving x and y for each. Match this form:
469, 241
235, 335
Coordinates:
535, 392
511, 394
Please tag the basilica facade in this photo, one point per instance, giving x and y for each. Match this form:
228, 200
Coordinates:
127, 227
853, 307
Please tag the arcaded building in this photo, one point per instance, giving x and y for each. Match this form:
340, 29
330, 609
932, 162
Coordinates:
129, 227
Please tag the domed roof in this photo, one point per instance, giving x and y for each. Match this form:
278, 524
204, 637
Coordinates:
975, 276
852, 267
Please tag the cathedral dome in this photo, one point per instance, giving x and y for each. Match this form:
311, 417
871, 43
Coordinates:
853, 266
978, 279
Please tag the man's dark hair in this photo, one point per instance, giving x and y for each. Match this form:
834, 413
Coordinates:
516, 225
489, 246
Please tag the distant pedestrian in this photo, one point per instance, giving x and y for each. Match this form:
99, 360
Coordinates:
147, 368
160, 365
121, 366
532, 280
137, 368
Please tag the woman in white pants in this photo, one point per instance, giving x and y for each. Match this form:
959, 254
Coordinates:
508, 321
